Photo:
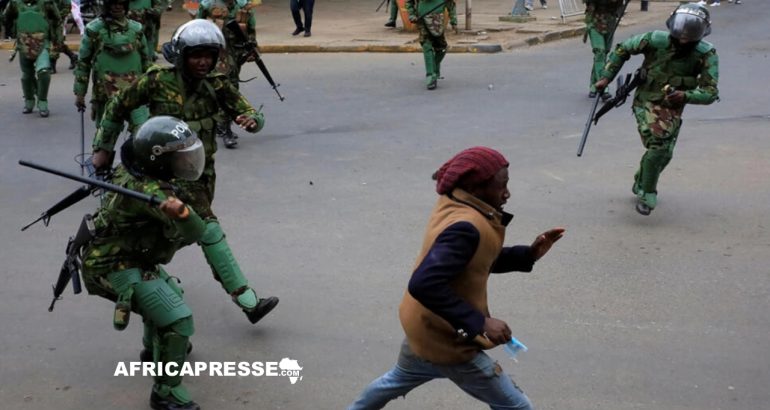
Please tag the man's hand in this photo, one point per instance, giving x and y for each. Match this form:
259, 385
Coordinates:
496, 331
544, 241
601, 84
80, 102
246, 122
676, 98
100, 159
174, 208
412, 19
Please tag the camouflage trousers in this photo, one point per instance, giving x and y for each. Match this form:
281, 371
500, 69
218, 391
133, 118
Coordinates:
600, 47
436, 43
658, 127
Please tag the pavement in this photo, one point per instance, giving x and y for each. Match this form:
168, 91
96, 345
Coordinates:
354, 26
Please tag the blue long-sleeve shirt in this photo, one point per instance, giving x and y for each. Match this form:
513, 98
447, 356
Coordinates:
451, 252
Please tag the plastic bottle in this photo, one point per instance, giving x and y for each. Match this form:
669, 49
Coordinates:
513, 347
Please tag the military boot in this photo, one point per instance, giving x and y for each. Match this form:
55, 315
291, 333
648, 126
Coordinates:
159, 402
228, 273
646, 203
230, 138
73, 60
264, 307
53, 65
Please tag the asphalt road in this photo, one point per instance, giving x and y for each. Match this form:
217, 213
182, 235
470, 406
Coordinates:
325, 208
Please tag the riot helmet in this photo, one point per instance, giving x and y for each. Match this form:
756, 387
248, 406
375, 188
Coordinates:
191, 36
689, 22
164, 147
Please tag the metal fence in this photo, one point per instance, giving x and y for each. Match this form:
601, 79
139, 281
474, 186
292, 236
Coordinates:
570, 8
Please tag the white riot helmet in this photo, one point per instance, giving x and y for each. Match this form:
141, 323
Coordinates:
689, 22
195, 34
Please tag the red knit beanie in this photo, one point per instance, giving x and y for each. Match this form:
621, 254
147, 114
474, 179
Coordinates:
473, 165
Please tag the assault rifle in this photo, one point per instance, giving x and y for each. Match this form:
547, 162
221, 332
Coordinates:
251, 50
70, 270
587, 128
624, 88
71, 199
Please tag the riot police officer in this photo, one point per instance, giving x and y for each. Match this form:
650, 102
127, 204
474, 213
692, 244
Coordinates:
115, 49
192, 91
131, 240
681, 68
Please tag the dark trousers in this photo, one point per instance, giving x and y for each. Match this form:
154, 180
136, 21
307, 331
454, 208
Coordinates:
307, 8
7, 25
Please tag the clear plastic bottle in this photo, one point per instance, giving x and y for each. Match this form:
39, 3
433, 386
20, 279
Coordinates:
513, 347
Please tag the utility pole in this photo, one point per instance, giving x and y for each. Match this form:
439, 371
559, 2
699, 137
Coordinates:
468, 14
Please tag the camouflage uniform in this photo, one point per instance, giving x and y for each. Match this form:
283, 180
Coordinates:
122, 264
601, 18
147, 12
36, 24
431, 26
695, 72
117, 53
222, 11
201, 104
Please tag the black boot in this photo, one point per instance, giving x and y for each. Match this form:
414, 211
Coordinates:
160, 403
229, 137
264, 307
73, 60
53, 65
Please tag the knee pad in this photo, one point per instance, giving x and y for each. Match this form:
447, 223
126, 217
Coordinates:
159, 303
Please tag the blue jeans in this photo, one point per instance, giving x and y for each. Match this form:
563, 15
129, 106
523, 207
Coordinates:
481, 377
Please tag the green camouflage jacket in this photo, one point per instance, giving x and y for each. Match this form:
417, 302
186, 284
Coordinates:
166, 92
116, 51
131, 233
417, 8
696, 73
602, 15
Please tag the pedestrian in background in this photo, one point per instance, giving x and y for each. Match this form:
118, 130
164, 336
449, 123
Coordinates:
393, 9
307, 9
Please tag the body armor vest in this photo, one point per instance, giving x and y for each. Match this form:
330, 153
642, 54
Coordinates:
118, 61
663, 69
32, 28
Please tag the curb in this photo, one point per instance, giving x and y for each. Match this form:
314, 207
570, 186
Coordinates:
402, 48
370, 48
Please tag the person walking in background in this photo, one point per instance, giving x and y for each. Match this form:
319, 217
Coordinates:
529, 4
65, 9
393, 9
113, 54
429, 17
307, 9
601, 18
444, 311
37, 26
220, 12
